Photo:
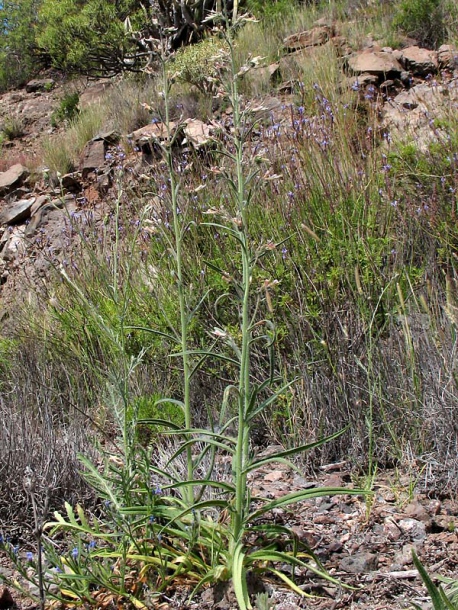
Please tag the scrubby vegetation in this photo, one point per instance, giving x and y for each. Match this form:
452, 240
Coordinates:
294, 283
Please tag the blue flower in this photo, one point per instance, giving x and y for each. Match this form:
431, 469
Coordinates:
75, 553
29, 556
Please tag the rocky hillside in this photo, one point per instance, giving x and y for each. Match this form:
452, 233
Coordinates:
412, 89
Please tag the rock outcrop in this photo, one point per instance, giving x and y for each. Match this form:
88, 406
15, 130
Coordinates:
12, 178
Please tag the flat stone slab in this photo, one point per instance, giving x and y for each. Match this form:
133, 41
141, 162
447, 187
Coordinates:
16, 212
12, 178
374, 62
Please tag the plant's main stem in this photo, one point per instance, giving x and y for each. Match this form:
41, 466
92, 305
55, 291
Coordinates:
178, 236
243, 437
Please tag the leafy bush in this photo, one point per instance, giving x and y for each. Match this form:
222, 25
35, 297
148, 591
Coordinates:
425, 20
271, 8
201, 64
68, 109
20, 56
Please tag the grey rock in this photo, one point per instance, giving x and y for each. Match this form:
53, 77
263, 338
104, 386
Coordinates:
360, 563
16, 212
15, 246
447, 57
110, 137
416, 530
39, 201
93, 157
406, 100
12, 178
40, 84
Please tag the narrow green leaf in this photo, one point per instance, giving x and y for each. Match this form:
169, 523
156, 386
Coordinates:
202, 432
191, 352
282, 454
158, 422
292, 585
431, 587
239, 578
152, 331
306, 494
193, 441
279, 460
269, 400
204, 482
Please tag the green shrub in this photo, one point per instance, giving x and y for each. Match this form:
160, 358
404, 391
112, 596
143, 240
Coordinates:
271, 8
200, 65
68, 109
425, 20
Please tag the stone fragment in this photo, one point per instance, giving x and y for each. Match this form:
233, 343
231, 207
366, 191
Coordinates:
40, 84
109, 137
12, 178
391, 530
380, 63
39, 201
403, 557
15, 246
270, 73
360, 563
71, 183
333, 479
16, 212
275, 475
419, 61
447, 57
93, 157
335, 547
148, 138
310, 38
6, 599
309, 538
52, 216
416, 530
417, 511
446, 523
197, 133
104, 183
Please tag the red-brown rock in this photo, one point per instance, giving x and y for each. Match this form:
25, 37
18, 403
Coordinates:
419, 61
375, 62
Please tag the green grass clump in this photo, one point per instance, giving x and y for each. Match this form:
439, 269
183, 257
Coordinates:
12, 128
61, 153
